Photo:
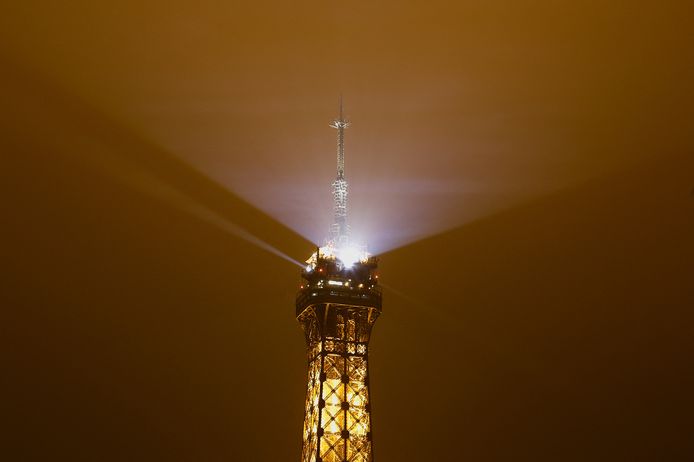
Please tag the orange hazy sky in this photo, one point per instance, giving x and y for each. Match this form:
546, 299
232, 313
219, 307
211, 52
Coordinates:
459, 109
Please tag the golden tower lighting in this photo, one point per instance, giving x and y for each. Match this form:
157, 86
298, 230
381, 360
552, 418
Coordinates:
337, 306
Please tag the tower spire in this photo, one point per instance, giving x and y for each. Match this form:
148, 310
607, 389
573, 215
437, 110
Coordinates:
339, 231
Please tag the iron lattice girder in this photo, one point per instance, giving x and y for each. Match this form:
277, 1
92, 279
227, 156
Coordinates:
337, 423
367, 298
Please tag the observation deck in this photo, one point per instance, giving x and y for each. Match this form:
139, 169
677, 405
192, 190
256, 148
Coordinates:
330, 281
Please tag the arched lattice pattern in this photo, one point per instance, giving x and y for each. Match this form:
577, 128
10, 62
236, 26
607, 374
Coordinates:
337, 423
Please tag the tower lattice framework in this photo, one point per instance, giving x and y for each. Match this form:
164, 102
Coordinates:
337, 322
337, 306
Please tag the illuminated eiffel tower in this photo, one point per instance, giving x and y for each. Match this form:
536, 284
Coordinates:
337, 306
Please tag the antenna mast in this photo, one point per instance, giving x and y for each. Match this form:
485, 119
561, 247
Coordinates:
339, 231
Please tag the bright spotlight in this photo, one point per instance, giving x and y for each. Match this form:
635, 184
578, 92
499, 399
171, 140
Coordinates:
350, 255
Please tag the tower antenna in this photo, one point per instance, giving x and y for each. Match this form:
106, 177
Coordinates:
339, 231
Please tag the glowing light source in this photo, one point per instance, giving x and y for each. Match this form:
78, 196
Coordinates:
349, 255
346, 254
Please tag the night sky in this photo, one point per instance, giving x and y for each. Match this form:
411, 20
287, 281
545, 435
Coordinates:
524, 170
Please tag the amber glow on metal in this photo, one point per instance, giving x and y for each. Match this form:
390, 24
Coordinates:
337, 423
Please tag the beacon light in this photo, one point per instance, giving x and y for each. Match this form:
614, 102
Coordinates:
349, 255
